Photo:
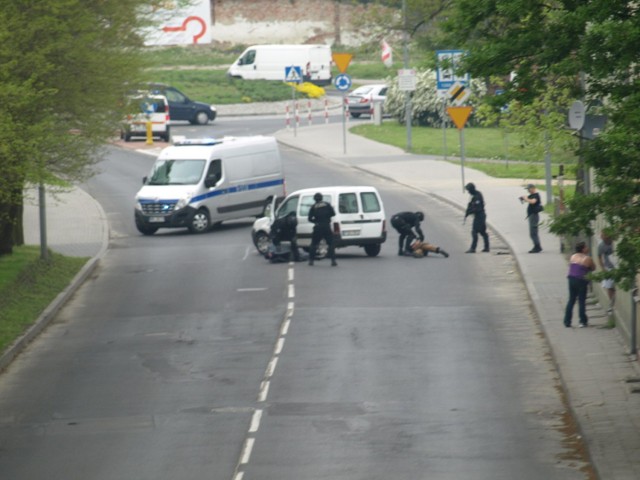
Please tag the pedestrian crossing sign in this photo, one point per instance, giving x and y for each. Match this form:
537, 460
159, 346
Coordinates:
293, 74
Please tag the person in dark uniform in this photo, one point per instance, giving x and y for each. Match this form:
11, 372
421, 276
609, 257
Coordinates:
320, 215
476, 208
285, 230
407, 224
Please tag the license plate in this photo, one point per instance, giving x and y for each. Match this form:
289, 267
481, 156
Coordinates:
138, 128
350, 233
156, 219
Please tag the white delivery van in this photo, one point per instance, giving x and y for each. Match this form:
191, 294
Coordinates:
268, 62
359, 221
144, 108
199, 182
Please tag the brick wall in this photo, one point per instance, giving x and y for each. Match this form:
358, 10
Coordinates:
284, 21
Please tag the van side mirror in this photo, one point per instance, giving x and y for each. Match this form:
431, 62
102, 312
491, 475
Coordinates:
144, 180
211, 181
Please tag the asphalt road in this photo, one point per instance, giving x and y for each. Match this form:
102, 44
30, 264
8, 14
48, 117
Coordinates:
191, 357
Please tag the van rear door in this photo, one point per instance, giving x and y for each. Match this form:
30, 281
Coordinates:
362, 215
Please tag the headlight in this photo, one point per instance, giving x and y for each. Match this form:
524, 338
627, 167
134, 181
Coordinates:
213, 109
138, 205
183, 202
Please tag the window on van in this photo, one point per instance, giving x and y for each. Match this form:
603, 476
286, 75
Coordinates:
348, 203
370, 202
291, 205
215, 171
176, 172
248, 58
308, 201
158, 105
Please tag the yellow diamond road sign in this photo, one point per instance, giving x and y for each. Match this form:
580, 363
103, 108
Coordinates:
458, 93
342, 61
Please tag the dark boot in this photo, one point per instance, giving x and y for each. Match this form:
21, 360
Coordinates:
443, 253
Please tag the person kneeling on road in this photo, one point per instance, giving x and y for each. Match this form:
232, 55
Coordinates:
422, 249
407, 224
285, 230
320, 215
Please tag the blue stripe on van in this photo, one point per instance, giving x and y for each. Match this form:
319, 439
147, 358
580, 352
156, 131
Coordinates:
238, 188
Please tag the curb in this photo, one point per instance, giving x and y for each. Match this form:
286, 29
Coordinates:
49, 313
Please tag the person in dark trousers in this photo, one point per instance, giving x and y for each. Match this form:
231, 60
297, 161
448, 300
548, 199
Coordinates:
407, 224
534, 207
320, 215
605, 252
580, 264
285, 230
479, 227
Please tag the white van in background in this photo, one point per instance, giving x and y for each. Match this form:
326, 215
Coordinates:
268, 62
199, 182
359, 221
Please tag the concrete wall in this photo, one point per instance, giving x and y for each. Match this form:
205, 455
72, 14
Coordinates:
251, 22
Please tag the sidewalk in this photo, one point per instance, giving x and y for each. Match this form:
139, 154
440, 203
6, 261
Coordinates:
593, 362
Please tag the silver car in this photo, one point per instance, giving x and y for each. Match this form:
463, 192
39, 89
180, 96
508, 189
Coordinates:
362, 99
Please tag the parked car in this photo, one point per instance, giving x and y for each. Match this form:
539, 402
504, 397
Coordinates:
182, 107
362, 99
142, 109
359, 221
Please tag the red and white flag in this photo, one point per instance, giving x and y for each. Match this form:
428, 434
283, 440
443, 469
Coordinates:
387, 54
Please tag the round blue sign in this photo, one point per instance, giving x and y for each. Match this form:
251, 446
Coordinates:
343, 82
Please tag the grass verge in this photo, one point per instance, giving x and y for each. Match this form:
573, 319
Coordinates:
28, 285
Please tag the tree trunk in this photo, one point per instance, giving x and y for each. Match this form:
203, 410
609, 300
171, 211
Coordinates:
18, 227
10, 219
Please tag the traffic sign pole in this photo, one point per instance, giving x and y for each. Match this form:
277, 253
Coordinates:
462, 156
343, 83
344, 123
293, 74
293, 109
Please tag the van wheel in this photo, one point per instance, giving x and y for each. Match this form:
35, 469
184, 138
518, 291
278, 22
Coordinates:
261, 240
200, 222
372, 250
145, 229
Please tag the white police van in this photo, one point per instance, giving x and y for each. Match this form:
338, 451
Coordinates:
199, 182
359, 220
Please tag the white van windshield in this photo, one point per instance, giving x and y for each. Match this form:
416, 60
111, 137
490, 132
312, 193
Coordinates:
176, 172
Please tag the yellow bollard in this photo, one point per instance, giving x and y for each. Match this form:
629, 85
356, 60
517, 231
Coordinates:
149, 133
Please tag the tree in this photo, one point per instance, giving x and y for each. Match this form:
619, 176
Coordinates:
542, 42
65, 65
385, 19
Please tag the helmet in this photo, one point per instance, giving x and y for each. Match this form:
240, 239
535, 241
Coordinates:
470, 187
420, 216
318, 197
